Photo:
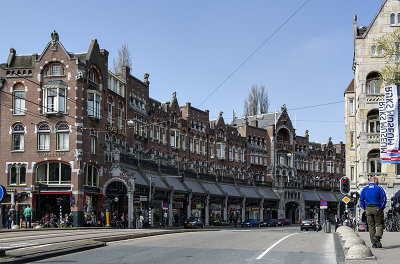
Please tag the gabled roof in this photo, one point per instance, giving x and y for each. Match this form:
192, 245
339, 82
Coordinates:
264, 120
365, 33
350, 88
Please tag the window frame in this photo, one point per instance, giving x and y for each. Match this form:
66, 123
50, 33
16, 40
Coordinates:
19, 111
65, 133
60, 173
93, 169
17, 168
18, 133
94, 108
43, 137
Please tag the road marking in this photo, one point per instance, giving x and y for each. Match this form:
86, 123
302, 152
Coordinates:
273, 245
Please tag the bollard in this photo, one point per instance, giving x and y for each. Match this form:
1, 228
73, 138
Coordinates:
107, 218
327, 226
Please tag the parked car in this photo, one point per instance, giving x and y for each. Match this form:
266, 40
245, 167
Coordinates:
219, 222
270, 222
307, 224
194, 222
284, 222
251, 223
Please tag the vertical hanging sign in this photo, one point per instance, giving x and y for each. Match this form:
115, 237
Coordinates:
389, 126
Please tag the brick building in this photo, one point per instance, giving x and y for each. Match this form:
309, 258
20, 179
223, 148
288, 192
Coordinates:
77, 137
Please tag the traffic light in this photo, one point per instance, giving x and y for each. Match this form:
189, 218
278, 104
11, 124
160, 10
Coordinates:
345, 185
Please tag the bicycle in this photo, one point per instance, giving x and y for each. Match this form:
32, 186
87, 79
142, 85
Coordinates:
392, 221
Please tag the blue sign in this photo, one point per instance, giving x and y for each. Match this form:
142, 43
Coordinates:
72, 200
3, 192
165, 205
323, 203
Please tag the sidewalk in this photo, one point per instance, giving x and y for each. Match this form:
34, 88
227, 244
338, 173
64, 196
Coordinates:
390, 252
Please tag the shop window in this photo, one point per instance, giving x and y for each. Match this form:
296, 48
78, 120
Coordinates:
44, 137
53, 173
18, 132
92, 175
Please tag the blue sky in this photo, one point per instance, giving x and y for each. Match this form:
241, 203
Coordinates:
191, 47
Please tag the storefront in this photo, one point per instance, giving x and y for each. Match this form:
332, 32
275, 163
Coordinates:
252, 202
179, 199
47, 202
311, 201
93, 202
216, 201
196, 198
235, 202
270, 203
253, 212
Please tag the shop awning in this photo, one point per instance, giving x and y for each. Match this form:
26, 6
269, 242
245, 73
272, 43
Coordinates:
212, 188
339, 196
230, 190
156, 180
194, 186
327, 196
311, 197
249, 192
139, 179
175, 183
268, 194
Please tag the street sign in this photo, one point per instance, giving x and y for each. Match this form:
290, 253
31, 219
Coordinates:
3, 192
346, 199
165, 205
322, 207
323, 203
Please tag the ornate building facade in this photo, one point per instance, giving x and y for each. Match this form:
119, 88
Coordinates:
78, 138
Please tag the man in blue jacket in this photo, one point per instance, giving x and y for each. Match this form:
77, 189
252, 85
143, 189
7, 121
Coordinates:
373, 201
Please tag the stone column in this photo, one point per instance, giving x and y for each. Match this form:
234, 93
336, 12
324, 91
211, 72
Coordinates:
226, 208
189, 206
244, 209
131, 190
281, 210
170, 211
207, 211
262, 210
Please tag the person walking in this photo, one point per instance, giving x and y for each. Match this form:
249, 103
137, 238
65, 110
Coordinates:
7, 217
336, 221
11, 216
373, 201
28, 216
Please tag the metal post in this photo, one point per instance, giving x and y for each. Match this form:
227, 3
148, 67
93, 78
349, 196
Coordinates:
150, 201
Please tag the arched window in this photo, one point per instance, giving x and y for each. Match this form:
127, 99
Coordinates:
93, 76
44, 137
17, 174
54, 69
373, 50
392, 19
91, 175
55, 173
63, 137
374, 164
374, 83
18, 132
398, 18
19, 100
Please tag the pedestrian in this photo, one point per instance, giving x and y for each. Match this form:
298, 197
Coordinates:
53, 220
28, 216
373, 200
70, 220
93, 219
336, 222
102, 219
11, 216
7, 218
176, 219
141, 219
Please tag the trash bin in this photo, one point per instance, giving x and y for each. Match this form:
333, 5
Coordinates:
327, 226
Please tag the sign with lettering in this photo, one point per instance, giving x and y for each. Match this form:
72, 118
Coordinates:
115, 130
53, 155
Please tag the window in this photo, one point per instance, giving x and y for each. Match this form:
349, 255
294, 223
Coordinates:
183, 142
54, 100
91, 175
373, 122
374, 162
374, 83
44, 137
53, 173
19, 102
351, 106
230, 153
93, 76
93, 141
392, 19
157, 133
398, 18
109, 113
120, 117
211, 150
174, 140
203, 147
197, 144
63, 137
220, 150
93, 105
17, 175
18, 132
55, 70
190, 144
151, 131
330, 167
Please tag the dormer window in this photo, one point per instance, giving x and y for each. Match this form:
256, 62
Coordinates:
55, 70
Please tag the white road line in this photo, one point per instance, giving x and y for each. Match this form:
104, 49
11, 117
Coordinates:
273, 245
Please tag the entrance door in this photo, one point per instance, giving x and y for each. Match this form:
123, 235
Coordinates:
292, 211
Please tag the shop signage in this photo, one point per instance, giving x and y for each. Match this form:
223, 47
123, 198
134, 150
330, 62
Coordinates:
143, 198
53, 155
115, 130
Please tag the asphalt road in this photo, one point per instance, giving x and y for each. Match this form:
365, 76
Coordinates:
226, 246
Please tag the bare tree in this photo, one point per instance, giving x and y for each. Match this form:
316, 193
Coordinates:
257, 101
124, 59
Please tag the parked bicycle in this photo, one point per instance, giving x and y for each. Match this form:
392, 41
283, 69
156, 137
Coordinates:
392, 221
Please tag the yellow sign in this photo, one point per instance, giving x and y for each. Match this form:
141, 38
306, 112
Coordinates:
116, 130
53, 155
346, 199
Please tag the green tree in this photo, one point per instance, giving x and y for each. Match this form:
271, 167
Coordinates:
387, 47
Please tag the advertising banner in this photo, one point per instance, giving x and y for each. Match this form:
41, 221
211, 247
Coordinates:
389, 126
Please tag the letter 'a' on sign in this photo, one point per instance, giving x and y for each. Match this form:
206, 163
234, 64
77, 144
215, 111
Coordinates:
345, 185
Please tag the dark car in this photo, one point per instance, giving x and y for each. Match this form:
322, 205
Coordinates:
194, 222
270, 222
219, 222
284, 222
251, 223
307, 224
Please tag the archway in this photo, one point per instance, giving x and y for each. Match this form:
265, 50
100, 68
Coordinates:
116, 194
292, 211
